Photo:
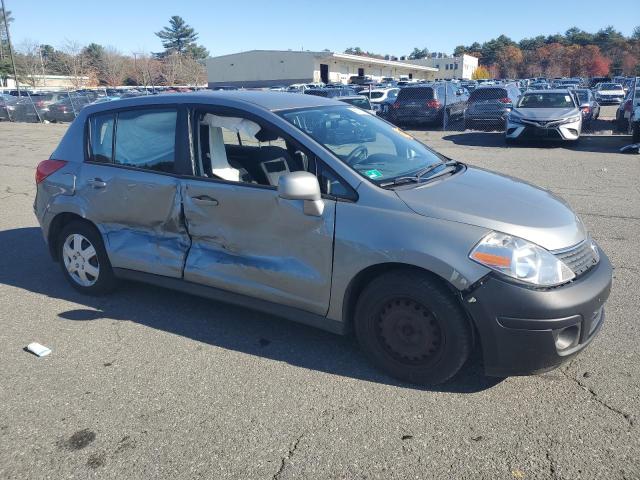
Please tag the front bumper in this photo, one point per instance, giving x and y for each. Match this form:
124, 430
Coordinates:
552, 131
520, 327
609, 100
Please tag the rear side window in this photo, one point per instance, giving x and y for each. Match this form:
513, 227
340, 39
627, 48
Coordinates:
101, 138
416, 93
146, 139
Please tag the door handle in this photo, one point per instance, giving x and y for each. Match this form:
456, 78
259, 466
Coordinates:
205, 199
97, 183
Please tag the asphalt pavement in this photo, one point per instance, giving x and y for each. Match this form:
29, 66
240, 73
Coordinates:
149, 383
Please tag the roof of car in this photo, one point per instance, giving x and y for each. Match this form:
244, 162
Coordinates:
551, 90
267, 100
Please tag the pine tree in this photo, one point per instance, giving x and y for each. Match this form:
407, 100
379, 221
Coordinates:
179, 37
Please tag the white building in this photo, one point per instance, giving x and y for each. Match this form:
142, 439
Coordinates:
48, 82
265, 68
450, 67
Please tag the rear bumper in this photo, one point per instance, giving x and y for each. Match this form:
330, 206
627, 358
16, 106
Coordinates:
425, 116
525, 331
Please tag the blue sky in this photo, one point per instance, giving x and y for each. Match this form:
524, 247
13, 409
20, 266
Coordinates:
393, 27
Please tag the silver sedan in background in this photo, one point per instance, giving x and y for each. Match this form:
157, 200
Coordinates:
545, 115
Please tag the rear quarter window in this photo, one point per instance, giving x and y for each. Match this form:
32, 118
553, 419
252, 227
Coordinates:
101, 137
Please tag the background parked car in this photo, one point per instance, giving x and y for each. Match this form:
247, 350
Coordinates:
359, 101
624, 111
380, 96
66, 109
330, 92
589, 107
428, 103
488, 106
611, 93
545, 115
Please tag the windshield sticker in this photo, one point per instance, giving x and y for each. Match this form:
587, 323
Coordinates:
373, 174
358, 111
567, 98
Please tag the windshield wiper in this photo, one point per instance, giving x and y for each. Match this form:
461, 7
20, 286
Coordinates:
418, 176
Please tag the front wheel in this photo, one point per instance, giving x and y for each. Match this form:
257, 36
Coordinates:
412, 327
83, 259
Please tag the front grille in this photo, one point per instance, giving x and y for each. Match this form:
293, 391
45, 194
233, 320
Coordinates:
579, 258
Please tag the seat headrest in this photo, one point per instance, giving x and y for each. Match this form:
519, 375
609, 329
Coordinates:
266, 135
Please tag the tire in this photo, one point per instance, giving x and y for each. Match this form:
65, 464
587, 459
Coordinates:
411, 326
635, 133
621, 123
87, 270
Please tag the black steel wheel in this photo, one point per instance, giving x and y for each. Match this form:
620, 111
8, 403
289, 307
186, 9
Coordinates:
409, 331
411, 326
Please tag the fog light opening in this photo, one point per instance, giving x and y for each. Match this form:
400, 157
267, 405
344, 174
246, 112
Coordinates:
567, 337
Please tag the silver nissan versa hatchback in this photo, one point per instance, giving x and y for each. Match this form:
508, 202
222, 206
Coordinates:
319, 212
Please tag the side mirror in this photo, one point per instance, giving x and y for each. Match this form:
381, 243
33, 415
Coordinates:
302, 186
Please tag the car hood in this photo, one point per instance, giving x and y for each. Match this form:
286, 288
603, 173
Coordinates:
505, 204
546, 113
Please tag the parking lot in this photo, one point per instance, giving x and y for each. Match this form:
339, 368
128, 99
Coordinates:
150, 383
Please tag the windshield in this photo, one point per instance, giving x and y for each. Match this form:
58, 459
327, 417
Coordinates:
375, 95
583, 95
488, 94
416, 93
546, 100
375, 149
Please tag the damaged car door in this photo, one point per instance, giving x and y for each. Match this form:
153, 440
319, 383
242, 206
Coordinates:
131, 191
246, 238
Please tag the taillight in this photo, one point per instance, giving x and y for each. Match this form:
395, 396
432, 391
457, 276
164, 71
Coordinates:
395, 106
433, 104
505, 100
47, 167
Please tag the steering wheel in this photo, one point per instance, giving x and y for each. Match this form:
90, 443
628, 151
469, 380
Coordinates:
357, 155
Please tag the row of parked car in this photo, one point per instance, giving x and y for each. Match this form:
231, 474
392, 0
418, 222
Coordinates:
521, 109
64, 106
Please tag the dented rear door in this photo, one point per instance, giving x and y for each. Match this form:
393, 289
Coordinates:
130, 187
247, 240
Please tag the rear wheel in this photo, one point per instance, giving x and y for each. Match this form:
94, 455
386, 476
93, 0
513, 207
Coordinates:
621, 123
410, 326
83, 259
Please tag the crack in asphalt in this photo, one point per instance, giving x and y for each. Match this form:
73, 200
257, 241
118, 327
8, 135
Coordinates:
596, 397
288, 456
552, 466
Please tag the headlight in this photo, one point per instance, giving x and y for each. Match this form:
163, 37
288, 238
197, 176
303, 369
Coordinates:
595, 250
515, 117
575, 118
521, 260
